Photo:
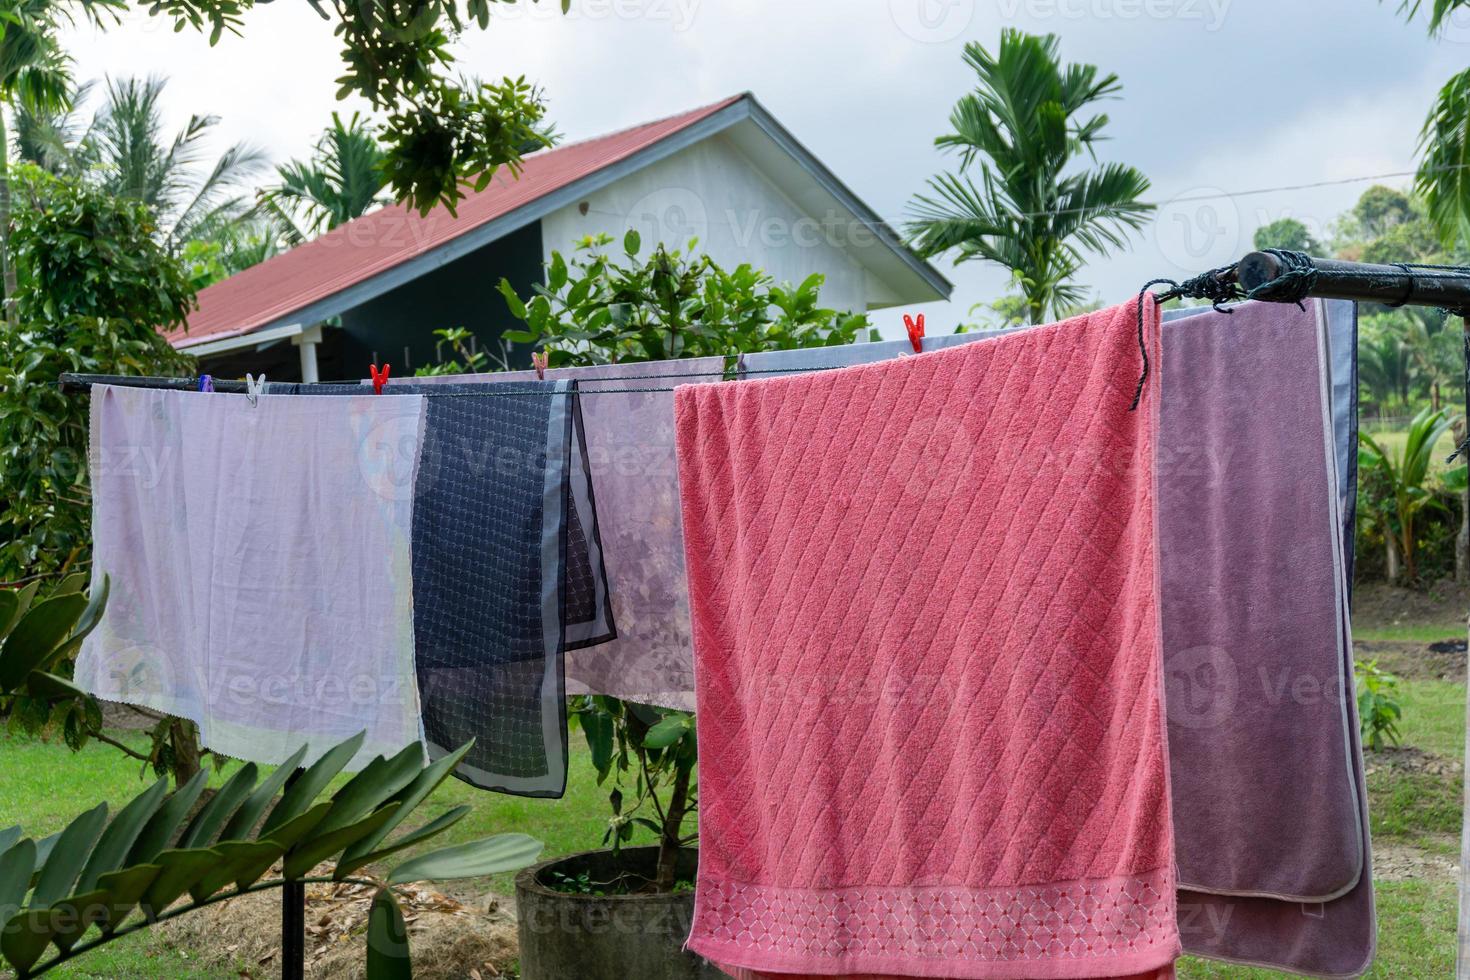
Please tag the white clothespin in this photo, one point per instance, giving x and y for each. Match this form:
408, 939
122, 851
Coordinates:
254, 389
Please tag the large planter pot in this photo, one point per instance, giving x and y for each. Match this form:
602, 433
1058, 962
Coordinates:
591, 937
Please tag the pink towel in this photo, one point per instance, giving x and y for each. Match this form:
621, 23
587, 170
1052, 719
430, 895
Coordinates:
927, 659
1163, 973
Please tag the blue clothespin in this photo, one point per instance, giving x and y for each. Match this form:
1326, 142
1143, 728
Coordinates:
206, 382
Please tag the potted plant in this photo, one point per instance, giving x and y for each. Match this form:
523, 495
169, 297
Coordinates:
622, 911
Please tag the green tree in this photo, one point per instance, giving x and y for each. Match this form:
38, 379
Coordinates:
343, 178
33, 75
1035, 211
1287, 233
1444, 142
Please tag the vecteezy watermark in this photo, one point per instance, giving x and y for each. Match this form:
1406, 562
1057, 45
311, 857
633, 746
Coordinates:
678, 14
1203, 686
932, 21
673, 216
1198, 230
1210, 13
387, 456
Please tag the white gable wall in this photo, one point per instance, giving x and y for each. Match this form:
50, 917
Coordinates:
712, 192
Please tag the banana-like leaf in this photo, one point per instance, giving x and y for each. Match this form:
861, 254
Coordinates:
44, 846
381, 779
8, 837
117, 840
17, 604
181, 870
207, 823
411, 796
40, 631
24, 938
503, 852
68, 857
124, 890
165, 822
86, 623
433, 828
388, 956
17, 864
239, 860
249, 813
309, 785
311, 852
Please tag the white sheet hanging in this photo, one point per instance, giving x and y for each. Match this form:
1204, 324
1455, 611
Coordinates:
259, 557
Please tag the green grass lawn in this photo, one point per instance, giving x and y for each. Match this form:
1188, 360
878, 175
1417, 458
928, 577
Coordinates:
46, 785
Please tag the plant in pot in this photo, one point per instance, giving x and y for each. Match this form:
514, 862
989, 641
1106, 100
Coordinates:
624, 910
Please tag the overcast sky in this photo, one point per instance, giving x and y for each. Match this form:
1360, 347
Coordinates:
1218, 95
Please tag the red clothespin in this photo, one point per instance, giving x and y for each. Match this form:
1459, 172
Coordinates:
539, 361
380, 378
916, 331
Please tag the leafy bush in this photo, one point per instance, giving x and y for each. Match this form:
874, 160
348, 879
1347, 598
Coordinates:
153, 861
93, 287
1378, 707
600, 310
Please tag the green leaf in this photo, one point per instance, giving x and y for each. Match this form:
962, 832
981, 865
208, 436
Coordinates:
598, 727
667, 732
249, 813
492, 855
315, 850
309, 785
241, 863
556, 273
292, 832
74, 915
415, 793
124, 890
117, 840
181, 870
513, 301
212, 817
388, 955
75, 582
17, 864
381, 779
160, 829
40, 631
429, 830
49, 687
8, 838
68, 856
632, 242
17, 601
25, 938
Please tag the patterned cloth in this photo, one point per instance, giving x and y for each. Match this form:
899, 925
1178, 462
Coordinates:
630, 451
259, 558
507, 574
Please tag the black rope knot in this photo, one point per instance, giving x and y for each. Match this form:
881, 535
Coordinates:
1294, 284
1219, 286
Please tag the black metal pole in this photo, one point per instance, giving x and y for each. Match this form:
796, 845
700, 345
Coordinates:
84, 382
1365, 282
293, 921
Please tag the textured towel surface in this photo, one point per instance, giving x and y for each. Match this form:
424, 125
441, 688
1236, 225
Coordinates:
1163, 973
964, 781
260, 566
1265, 802
1269, 798
505, 575
630, 453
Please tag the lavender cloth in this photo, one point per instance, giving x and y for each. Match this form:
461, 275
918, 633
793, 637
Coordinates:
1269, 803
259, 558
630, 454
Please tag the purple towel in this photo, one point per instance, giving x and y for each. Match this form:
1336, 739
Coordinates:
630, 454
1269, 807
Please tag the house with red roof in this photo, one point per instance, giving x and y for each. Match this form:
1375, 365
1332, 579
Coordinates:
373, 290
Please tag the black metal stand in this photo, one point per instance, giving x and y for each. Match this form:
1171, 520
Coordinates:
293, 922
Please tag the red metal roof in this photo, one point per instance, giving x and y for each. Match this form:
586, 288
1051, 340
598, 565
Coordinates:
376, 242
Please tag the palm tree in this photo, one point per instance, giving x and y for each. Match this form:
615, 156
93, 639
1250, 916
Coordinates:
343, 179
1033, 212
1406, 476
34, 73
133, 158
1444, 142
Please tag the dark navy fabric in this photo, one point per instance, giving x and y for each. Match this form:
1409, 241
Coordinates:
488, 655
